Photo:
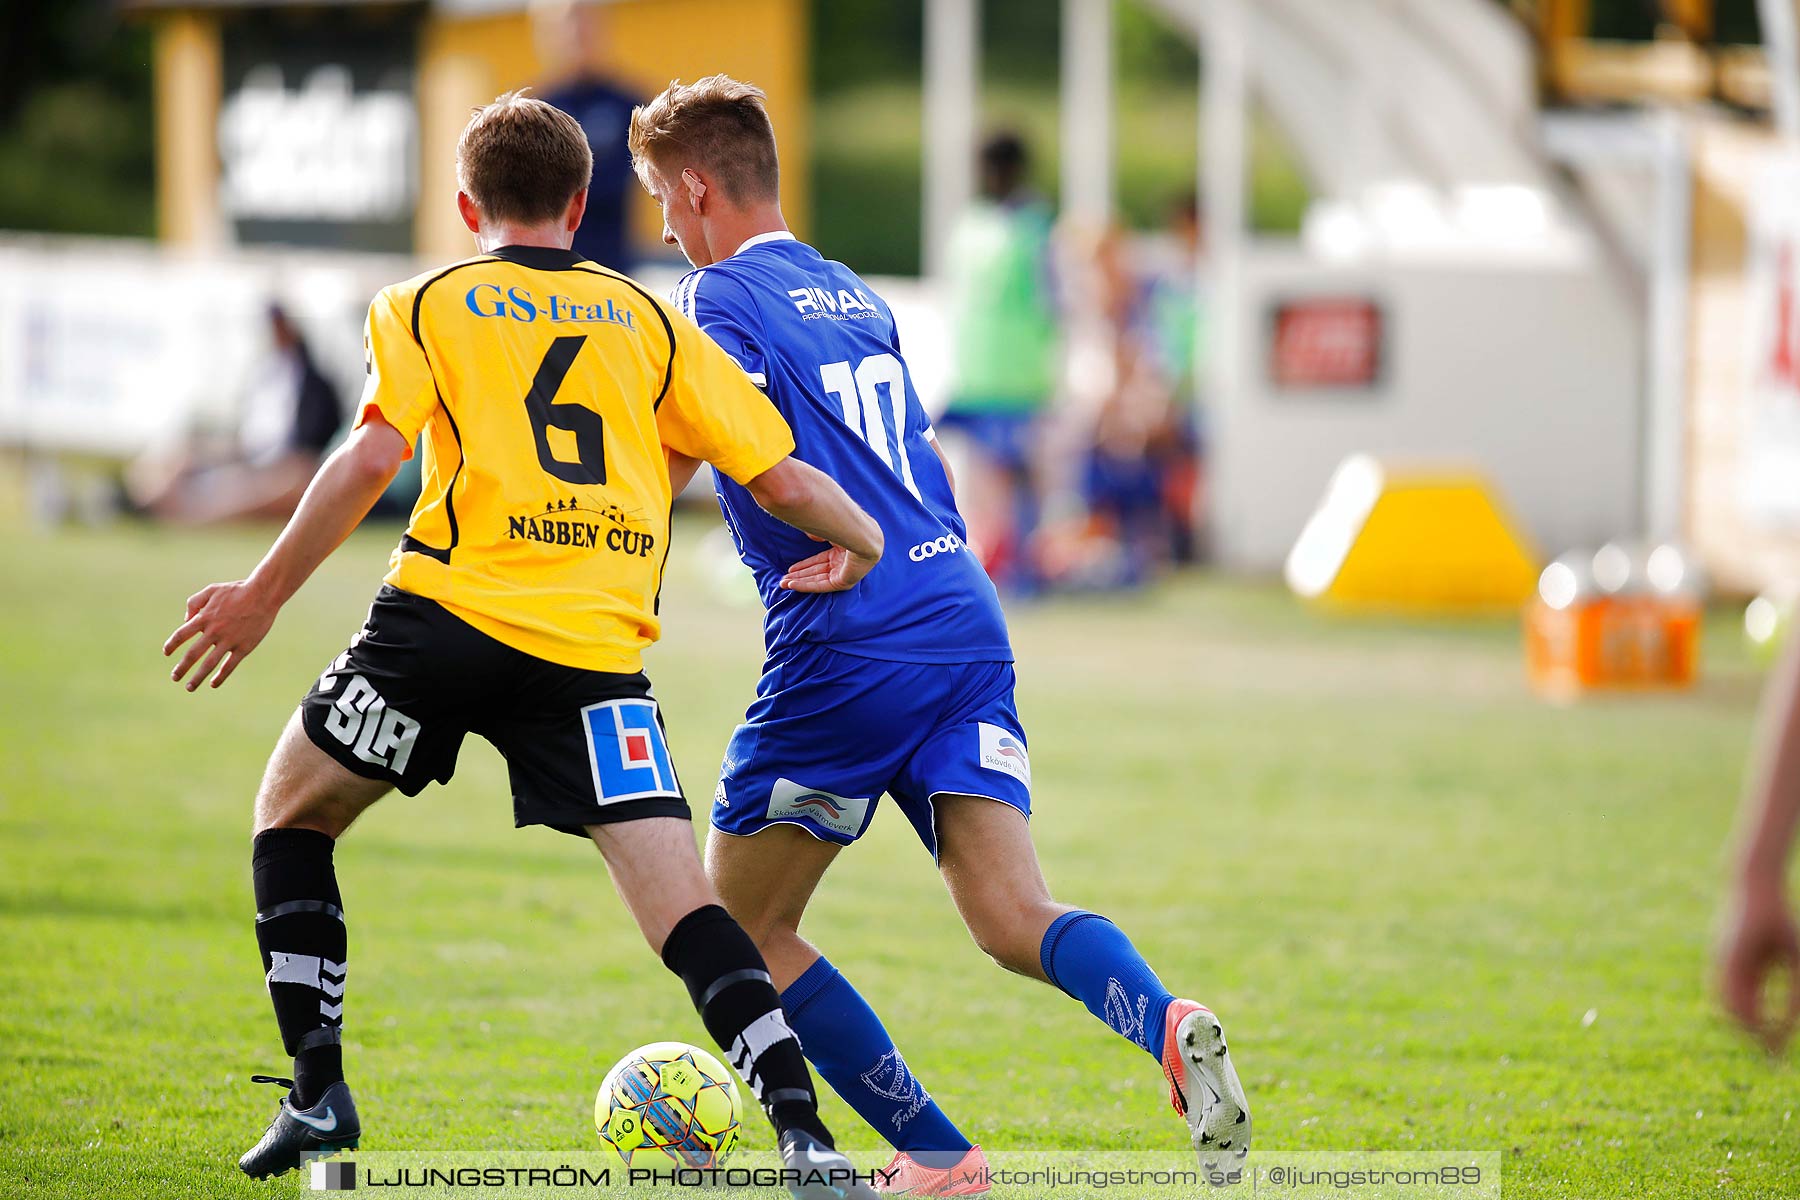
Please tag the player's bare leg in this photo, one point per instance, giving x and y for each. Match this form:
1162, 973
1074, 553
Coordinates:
305, 788
991, 868
766, 882
657, 871
305, 802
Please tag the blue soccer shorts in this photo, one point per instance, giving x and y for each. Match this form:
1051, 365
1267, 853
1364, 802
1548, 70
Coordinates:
829, 733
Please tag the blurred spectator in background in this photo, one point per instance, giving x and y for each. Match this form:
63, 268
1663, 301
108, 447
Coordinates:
1760, 941
290, 415
1140, 468
1174, 319
571, 41
1107, 531
1004, 356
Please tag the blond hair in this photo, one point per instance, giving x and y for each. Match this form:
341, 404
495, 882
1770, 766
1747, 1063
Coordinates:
522, 160
718, 124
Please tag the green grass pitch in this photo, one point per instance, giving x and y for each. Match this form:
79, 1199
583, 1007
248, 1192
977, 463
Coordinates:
1401, 881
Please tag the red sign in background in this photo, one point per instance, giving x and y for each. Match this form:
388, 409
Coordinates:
1326, 342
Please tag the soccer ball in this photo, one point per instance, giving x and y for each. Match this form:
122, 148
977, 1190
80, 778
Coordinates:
668, 1103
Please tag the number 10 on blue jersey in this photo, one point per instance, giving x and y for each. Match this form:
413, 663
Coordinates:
859, 391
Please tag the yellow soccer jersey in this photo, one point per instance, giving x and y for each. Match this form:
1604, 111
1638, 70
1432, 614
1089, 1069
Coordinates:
546, 388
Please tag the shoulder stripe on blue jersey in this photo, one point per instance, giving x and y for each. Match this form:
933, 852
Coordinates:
685, 293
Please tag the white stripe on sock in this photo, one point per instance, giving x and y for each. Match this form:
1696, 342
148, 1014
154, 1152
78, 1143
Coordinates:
293, 968
770, 1029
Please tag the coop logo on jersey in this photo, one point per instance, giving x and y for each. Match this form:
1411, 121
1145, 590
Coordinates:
582, 527
362, 720
840, 814
1004, 751
890, 1077
626, 749
948, 544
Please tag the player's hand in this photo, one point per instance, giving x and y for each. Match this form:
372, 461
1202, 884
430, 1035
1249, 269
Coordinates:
1760, 941
225, 622
832, 570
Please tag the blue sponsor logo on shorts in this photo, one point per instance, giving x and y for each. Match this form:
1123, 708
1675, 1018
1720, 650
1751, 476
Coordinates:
627, 751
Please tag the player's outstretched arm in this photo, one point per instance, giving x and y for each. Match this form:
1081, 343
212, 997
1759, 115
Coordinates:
226, 621
1760, 938
812, 502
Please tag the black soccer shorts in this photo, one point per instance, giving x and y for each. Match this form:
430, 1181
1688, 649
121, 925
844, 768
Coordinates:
581, 747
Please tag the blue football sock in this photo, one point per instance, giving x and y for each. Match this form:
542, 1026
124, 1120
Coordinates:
1088, 957
843, 1039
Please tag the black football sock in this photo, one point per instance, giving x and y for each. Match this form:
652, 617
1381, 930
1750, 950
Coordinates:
300, 929
729, 983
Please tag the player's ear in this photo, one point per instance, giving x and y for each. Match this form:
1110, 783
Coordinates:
696, 188
577, 209
465, 204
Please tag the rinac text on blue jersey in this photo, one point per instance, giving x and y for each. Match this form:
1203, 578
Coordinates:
822, 344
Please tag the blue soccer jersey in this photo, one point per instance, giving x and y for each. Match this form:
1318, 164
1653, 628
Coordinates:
822, 345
